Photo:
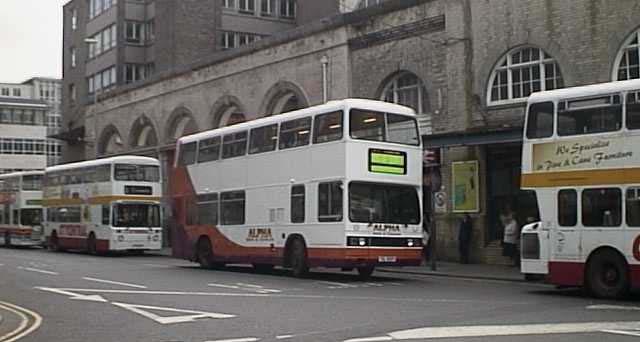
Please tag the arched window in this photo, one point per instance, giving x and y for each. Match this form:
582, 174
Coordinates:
143, 134
228, 116
627, 64
110, 142
284, 97
182, 124
406, 89
521, 72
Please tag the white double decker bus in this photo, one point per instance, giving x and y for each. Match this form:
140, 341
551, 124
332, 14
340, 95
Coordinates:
581, 157
335, 185
103, 205
21, 208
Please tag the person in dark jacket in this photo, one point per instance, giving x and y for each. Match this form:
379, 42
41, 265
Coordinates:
464, 238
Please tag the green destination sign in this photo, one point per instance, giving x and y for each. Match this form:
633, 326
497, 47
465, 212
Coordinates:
385, 161
34, 202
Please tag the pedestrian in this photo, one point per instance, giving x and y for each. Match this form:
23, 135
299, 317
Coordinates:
426, 237
510, 239
464, 238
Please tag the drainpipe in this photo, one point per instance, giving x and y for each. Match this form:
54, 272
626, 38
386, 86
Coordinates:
325, 90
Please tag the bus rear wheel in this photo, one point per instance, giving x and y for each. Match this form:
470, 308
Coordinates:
7, 239
365, 271
205, 254
607, 275
298, 259
91, 244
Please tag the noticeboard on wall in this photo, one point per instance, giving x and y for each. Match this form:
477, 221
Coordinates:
465, 187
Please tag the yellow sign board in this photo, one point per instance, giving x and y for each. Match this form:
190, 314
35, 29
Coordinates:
465, 190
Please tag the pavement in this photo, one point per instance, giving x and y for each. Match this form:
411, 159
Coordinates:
444, 269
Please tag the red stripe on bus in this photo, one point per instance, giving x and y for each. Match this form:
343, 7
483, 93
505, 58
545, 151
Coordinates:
566, 273
81, 243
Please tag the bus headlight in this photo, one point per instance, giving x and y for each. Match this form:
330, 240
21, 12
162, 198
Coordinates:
362, 242
410, 243
357, 241
120, 238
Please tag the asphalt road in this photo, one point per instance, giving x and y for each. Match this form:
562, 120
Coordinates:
79, 297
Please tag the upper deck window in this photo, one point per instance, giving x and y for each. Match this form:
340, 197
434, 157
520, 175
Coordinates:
590, 116
377, 126
234, 145
32, 183
209, 149
263, 139
138, 173
633, 110
327, 127
540, 120
187, 153
295, 133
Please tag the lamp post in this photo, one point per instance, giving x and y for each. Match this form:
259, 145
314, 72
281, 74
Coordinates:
325, 90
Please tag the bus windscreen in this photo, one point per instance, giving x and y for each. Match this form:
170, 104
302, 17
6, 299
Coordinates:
379, 203
136, 215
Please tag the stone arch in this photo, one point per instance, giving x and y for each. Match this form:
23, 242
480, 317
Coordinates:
110, 141
227, 111
406, 88
284, 97
181, 122
143, 133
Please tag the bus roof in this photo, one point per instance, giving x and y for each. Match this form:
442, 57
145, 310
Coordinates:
22, 173
584, 91
103, 161
328, 107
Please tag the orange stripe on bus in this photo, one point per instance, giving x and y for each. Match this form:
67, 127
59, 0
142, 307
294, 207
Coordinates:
580, 178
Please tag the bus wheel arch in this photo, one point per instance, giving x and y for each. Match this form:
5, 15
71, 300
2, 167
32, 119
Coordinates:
606, 273
296, 256
205, 254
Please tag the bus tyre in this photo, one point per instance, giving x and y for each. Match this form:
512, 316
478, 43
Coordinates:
205, 254
91, 244
607, 275
365, 271
298, 259
7, 239
54, 243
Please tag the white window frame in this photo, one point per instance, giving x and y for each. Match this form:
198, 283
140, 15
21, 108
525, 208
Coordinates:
394, 88
74, 19
505, 63
137, 31
623, 53
247, 6
73, 57
290, 9
271, 8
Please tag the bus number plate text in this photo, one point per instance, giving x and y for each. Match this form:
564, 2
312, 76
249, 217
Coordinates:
387, 259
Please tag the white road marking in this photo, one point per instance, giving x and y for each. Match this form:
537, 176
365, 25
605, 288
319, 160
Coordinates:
622, 332
245, 287
74, 296
375, 284
503, 330
157, 265
114, 282
225, 286
21, 332
193, 315
282, 337
613, 307
246, 339
30, 269
250, 285
336, 285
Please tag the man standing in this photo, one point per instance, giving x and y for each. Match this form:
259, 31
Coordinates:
464, 238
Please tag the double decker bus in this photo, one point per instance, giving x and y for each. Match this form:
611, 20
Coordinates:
21, 208
103, 205
335, 185
581, 157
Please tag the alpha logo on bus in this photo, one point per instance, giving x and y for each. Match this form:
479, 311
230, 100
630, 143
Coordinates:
391, 229
260, 234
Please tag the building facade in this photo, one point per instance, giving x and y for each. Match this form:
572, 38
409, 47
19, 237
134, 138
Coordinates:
29, 113
465, 66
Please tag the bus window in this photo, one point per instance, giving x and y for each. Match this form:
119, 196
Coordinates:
106, 214
402, 129
136, 215
377, 203
234, 145
633, 111
209, 150
187, 153
297, 204
232, 206
540, 120
327, 127
32, 183
367, 125
138, 173
16, 216
567, 208
633, 207
102, 173
574, 120
330, 202
208, 209
295, 133
263, 139
30, 217
602, 207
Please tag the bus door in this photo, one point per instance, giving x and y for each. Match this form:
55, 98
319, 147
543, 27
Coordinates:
565, 238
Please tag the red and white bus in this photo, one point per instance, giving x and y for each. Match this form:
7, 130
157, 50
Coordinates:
103, 205
581, 158
21, 208
335, 185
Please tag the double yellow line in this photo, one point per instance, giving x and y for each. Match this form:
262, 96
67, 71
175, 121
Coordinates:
29, 322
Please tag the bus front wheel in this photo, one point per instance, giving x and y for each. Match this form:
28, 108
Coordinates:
205, 254
298, 259
54, 243
91, 244
607, 275
365, 271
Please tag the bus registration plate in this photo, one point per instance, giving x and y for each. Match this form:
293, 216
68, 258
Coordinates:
387, 259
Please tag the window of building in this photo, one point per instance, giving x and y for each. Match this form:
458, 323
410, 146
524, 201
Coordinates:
229, 3
208, 209
149, 31
567, 208
17, 92
72, 93
5, 91
187, 153
330, 202
232, 208
234, 145
521, 72
96, 7
602, 207
73, 57
297, 204
367, 3
295, 133
246, 6
406, 89
327, 127
595, 115
135, 72
288, 8
540, 120
627, 64
263, 139
267, 7
209, 150
134, 32
74, 19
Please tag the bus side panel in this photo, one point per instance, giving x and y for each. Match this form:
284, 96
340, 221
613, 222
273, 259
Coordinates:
565, 273
180, 187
